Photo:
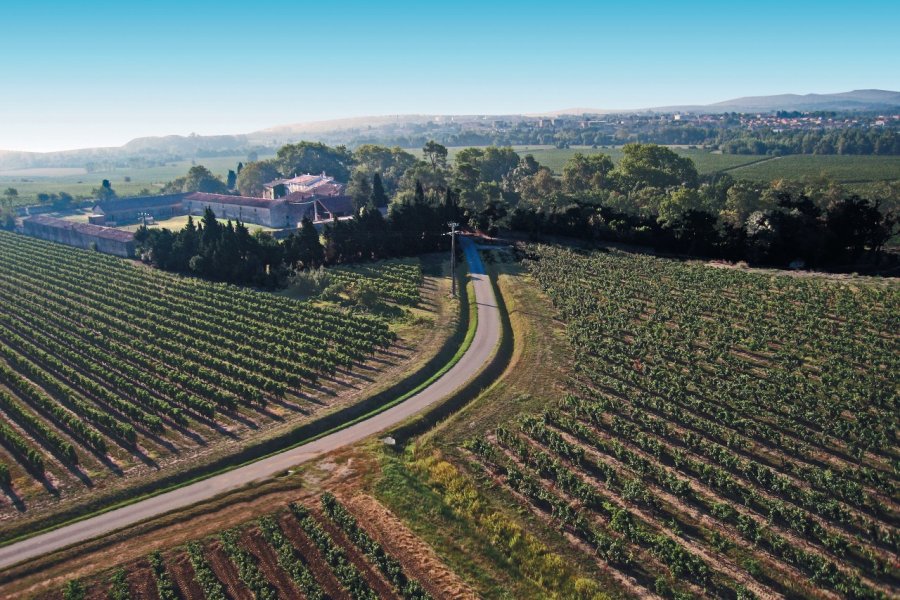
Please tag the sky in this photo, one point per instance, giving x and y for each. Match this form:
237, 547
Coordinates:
94, 73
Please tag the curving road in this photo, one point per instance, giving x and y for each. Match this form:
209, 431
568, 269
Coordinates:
487, 336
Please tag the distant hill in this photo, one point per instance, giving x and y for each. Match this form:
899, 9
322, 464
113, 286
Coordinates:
857, 100
340, 130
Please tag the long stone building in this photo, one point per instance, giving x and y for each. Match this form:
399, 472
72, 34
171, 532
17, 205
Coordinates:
278, 213
129, 210
261, 211
81, 235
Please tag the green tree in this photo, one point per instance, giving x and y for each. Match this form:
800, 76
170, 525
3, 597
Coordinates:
359, 189
527, 166
379, 196
587, 173
854, 224
649, 165
741, 200
539, 189
435, 154
231, 180
497, 163
390, 163
198, 179
104, 192
254, 176
211, 230
677, 203
314, 157
305, 247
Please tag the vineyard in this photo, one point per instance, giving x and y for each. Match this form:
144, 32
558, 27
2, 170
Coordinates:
394, 280
312, 551
109, 370
725, 434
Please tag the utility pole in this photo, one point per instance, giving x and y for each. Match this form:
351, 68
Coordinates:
453, 225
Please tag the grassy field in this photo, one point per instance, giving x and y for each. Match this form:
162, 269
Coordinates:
845, 169
31, 182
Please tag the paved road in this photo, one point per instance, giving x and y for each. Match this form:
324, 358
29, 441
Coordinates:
487, 335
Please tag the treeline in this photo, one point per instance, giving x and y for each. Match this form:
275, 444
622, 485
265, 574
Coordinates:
652, 196
875, 141
229, 252
655, 197
728, 135
794, 232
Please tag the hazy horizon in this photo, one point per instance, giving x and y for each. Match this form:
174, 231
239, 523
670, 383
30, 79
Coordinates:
101, 74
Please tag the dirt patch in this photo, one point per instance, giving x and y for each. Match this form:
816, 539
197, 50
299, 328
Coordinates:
142, 583
226, 572
253, 542
372, 576
419, 560
179, 566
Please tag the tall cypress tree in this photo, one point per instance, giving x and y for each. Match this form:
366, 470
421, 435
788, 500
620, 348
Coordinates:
379, 196
420, 193
306, 247
212, 231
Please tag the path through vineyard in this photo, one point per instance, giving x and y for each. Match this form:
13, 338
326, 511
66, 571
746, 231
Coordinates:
486, 339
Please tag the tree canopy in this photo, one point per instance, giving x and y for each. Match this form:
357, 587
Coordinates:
254, 175
649, 165
198, 179
314, 157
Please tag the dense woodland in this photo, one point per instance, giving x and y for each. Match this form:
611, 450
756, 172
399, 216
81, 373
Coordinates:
652, 197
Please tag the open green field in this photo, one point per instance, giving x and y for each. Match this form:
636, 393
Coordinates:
78, 182
845, 169
555, 158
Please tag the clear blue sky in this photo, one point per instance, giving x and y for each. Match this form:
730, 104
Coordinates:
90, 73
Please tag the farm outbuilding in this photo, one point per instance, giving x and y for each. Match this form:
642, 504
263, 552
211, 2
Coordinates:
321, 209
80, 235
261, 211
130, 210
